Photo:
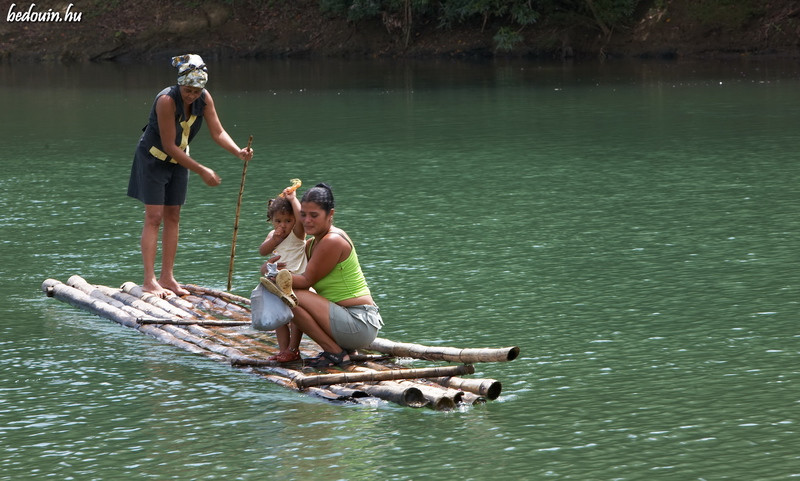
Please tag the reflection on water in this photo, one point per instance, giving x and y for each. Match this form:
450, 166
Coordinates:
632, 228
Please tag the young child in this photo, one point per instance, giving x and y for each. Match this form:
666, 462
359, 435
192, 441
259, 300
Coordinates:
285, 245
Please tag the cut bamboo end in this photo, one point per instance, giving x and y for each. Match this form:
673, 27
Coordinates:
402, 395
490, 388
513, 353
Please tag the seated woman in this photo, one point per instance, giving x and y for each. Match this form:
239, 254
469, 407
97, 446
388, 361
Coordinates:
339, 314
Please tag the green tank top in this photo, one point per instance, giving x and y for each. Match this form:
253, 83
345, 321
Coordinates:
345, 281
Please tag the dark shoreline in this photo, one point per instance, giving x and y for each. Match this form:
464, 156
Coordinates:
147, 30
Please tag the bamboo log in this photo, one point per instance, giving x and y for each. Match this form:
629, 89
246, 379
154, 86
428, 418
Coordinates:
80, 299
179, 307
133, 305
250, 350
257, 347
93, 292
169, 334
175, 305
177, 333
137, 291
289, 377
216, 293
470, 391
265, 345
219, 307
472, 399
225, 305
190, 322
307, 346
347, 391
249, 361
216, 333
170, 309
451, 354
405, 395
285, 372
187, 306
489, 388
146, 307
318, 392
408, 396
327, 394
201, 304
375, 376
264, 362
206, 344
282, 379
439, 397
264, 342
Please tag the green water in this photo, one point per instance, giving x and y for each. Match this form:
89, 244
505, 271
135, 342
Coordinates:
632, 228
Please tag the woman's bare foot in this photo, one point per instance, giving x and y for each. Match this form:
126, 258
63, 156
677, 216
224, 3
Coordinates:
156, 289
172, 285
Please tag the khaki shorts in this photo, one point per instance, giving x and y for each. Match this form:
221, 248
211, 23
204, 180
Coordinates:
354, 327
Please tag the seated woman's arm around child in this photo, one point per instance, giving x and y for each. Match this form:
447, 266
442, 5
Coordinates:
339, 313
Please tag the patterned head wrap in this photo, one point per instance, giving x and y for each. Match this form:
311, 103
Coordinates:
192, 71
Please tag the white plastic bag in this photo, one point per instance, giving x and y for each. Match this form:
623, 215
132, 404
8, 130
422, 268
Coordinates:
267, 310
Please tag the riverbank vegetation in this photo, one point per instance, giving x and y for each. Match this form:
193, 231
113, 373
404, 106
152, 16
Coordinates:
143, 29
508, 18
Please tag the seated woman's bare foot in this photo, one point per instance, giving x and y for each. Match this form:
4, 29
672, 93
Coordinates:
173, 286
156, 289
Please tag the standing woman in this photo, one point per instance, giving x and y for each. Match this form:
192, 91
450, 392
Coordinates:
341, 315
161, 165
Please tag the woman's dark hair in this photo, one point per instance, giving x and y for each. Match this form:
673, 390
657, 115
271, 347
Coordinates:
321, 194
278, 204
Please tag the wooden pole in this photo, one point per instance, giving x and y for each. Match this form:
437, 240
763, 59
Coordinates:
355, 377
191, 322
246, 361
236, 219
436, 353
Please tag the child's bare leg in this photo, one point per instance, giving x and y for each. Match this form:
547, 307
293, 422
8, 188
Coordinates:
286, 352
282, 333
295, 335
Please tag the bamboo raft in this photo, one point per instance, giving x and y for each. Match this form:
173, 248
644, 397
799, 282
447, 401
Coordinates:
216, 324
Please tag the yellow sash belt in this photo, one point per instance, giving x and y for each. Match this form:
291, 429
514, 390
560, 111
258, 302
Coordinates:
184, 146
